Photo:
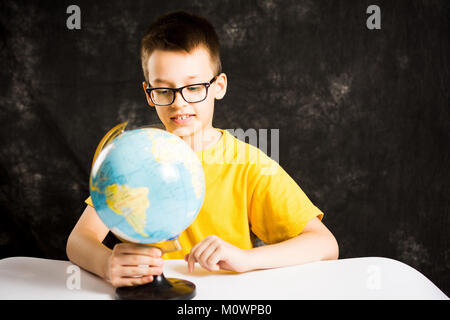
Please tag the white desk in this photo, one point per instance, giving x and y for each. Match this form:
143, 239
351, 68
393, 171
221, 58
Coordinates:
358, 278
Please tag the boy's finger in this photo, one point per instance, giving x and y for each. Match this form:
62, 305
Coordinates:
132, 281
126, 282
193, 255
196, 252
191, 262
213, 260
204, 256
136, 260
133, 248
140, 271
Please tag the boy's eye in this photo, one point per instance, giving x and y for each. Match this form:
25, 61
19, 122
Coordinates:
194, 88
162, 91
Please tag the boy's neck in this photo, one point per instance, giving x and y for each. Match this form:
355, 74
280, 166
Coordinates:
203, 139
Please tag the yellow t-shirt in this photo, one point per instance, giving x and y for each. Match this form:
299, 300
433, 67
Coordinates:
246, 191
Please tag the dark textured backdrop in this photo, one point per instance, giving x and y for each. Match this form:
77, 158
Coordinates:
363, 115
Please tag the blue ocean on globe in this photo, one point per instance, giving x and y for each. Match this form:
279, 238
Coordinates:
147, 185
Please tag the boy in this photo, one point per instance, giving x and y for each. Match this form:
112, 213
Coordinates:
181, 51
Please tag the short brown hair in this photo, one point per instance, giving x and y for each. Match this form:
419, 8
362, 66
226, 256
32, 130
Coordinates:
178, 31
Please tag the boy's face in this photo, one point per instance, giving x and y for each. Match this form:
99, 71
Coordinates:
174, 69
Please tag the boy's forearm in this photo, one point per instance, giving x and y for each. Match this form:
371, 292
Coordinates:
88, 253
307, 247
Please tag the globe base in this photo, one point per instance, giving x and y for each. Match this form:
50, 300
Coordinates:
161, 288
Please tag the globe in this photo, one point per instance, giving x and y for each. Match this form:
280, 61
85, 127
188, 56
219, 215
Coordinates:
147, 185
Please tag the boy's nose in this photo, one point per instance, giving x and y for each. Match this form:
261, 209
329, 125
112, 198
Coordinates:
179, 100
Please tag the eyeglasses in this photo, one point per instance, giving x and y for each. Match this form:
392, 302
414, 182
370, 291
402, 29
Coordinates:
191, 93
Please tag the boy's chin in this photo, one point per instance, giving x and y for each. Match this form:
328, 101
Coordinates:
183, 131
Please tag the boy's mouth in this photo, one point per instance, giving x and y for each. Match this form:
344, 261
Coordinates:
182, 118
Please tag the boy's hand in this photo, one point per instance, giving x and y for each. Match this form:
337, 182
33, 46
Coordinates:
133, 264
214, 254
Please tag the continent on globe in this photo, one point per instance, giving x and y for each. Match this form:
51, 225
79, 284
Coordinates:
131, 203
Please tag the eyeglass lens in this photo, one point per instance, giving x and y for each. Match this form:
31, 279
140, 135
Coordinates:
191, 94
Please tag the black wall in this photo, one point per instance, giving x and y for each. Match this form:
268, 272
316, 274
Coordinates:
363, 114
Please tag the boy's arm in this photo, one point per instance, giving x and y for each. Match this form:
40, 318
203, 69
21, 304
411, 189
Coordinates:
315, 243
84, 245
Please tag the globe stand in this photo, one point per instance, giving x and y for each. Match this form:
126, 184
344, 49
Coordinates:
161, 288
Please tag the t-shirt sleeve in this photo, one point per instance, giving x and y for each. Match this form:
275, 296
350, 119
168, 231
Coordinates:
278, 207
89, 201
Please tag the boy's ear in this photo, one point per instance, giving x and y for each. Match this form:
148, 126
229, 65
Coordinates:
144, 85
221, 86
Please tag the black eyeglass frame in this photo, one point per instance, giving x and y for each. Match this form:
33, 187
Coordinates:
175, 90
